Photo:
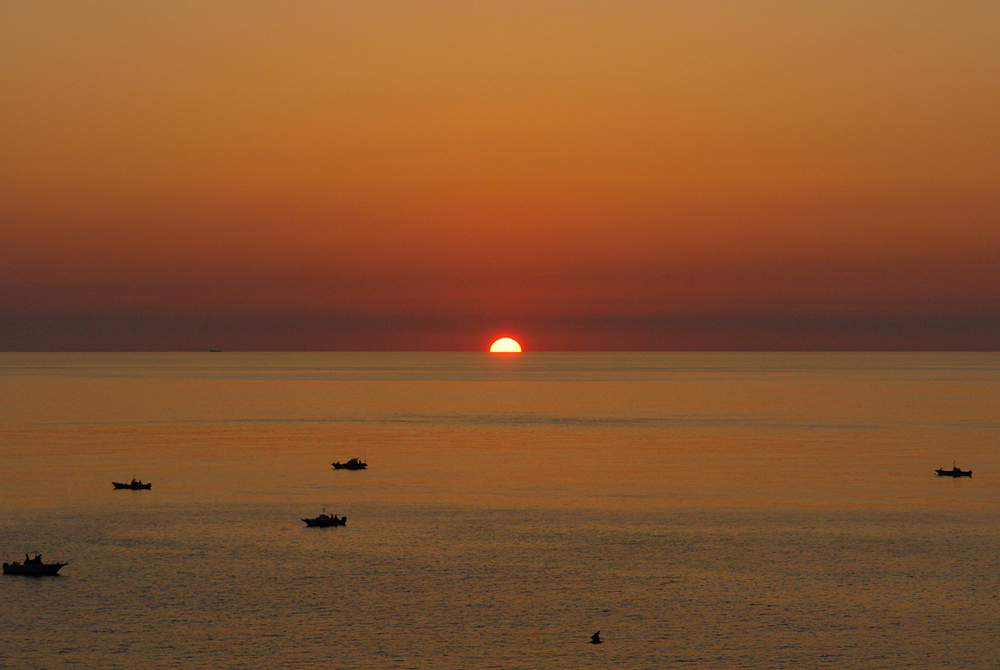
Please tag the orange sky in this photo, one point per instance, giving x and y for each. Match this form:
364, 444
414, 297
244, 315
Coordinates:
415, 175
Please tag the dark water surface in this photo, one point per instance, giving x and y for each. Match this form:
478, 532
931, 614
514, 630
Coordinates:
701, 510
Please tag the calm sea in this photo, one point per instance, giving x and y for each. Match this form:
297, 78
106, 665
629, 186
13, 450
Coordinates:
700, 510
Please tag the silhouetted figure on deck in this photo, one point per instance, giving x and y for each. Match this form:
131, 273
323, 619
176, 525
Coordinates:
596, 638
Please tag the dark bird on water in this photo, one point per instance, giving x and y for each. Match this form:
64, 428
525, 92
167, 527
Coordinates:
596, 638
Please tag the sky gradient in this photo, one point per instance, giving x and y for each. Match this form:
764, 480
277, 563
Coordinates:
434, 175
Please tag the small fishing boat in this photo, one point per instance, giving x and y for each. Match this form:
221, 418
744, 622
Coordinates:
324, 520
134, 485
954, 472
353, 464
32, 567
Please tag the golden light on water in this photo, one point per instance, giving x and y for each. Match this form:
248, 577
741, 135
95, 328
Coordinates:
505, 345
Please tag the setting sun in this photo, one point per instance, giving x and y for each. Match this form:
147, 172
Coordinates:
505, 345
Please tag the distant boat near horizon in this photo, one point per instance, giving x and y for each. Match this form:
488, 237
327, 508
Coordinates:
134, 485
324, 520
954, 472
353, 464
33, 567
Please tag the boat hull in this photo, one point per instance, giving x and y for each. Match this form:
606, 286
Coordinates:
353, 464
33, 569
132, 487
954, 472
325, 523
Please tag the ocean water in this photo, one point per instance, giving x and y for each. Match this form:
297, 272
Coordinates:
715, 510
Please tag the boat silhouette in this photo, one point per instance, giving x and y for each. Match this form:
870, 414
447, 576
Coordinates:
353, 464
32, 567
324, 520
134, 485
954, 472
